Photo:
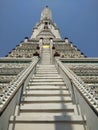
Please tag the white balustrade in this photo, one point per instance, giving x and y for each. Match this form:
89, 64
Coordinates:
92, 99
16, 84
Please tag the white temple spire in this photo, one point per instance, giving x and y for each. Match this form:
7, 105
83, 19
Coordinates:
46, 28
46, 14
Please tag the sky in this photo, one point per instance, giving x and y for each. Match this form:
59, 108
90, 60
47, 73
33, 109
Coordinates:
76, 19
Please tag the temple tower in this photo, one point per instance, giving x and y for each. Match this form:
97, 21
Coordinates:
46, 29
46, 82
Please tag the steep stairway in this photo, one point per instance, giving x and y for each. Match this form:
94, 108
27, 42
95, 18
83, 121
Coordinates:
46, 103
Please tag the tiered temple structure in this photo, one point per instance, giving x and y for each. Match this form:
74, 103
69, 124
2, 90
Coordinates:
46, 83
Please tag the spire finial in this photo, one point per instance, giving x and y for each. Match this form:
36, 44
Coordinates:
46, 6
46, 13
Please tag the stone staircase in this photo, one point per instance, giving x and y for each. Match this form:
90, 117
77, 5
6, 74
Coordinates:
45, 58
46, 104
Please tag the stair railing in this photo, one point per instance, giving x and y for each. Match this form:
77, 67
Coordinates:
87, 102
12, 96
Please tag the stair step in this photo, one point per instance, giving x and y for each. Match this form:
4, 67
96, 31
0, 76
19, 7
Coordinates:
47, 75
30, 94
47, 100
65, 125
47, 83
46, 67
36, 77
56, 98
47, 87
48, 92
47, 72
50, 107
50, 73
45, 80
52, 101
56, 113
35, 88
47, 119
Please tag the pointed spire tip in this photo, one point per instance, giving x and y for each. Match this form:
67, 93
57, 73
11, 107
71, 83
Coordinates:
46, 6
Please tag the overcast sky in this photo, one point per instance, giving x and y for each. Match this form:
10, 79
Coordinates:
76, 19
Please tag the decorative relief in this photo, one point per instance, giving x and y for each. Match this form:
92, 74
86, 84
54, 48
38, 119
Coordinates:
24, 51
68, 51
88, 72
89, 79
6, 79
8, 71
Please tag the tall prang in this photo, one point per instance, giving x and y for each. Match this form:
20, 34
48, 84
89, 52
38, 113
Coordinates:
46, 29
46, 32
46, 82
